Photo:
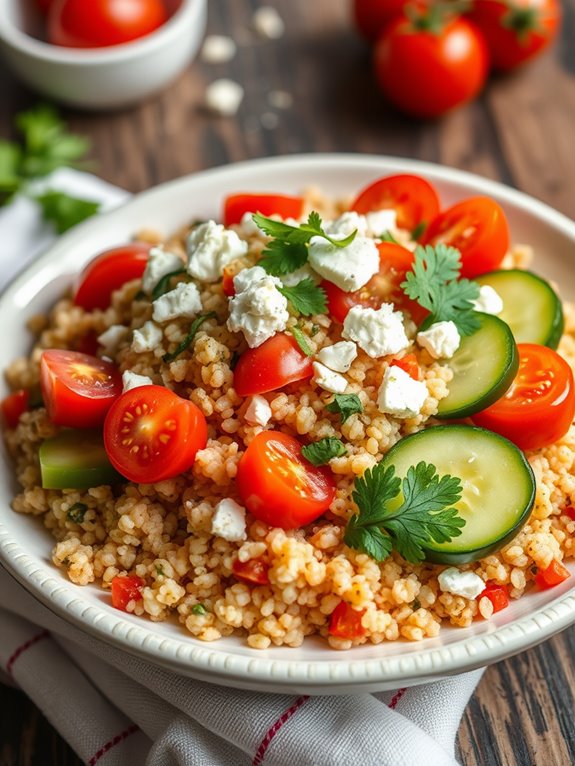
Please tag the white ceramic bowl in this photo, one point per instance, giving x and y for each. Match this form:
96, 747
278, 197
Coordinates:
313, 668
101, 78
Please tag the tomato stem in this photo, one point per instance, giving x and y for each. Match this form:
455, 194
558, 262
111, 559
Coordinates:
522, 21
434, 17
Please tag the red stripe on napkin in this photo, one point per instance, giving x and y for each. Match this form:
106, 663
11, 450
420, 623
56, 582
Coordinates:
112, 743
396, 697
284, 718
23, 648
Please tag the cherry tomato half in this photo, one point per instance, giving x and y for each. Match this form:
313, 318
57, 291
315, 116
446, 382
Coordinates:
236, 205
413, 198
254, 571
371, 16
101, 23
78, 389
14, 406
151, 434
279, 486
478, 228
107, 273
126, 589
497, 594
274, 364
552, 575
345, 622
539, 407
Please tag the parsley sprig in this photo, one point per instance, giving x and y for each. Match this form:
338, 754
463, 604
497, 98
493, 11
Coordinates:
434, 283
345, 405
425, 512
306, 297
322, 451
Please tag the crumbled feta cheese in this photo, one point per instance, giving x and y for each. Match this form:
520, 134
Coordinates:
217, 49
466, 584
182, 301
111, 338
380, 221
346, 224
401, 395
132, 380
442, 339
305, 272
328, 379
259, 411
378, 333
259, 310
224, 97
339, 356
147, 338
160, 262
489, 301
210, 248
348, 267
248, 226
246, 277
229, 520
268, 23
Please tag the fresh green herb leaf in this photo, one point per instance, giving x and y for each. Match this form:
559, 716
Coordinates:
425, 514
306, 297
280, 257
416, 604
346, 405
322, 451
434, 283
301, 340
10, 159
387, 236
65, 211
199, 609
160, 570
419, 230
315, 328
77, 512
163, 285
314, 228
188, 340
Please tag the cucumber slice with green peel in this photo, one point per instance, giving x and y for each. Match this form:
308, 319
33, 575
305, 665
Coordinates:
76, 460
531, 307
498, 486
484, 367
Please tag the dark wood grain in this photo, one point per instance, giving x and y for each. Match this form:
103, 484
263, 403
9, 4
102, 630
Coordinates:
521, 131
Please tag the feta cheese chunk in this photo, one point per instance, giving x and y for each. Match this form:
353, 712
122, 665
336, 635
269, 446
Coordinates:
259, 310
339, 356
182, 301
466, 584
132, 380
348, 267
259, 412
305, 272
378, 333
111, 338
248, 226
210, 247
247, 277
489, 301
348, 222
442, 339
401, 395
224, 97
380, 221
328, 379
147, 338
229, 520
160, 262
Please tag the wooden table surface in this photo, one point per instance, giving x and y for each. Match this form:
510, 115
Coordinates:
521, 131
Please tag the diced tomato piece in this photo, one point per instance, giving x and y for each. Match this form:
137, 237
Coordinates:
553, 575
570, 511
108, 272
14, 406
274, 364
253, 571
345, 622
126, 589
497, 594
228, 283
237, 205
408, 364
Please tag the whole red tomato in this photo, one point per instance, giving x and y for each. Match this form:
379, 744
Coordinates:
516, 30
430, 63
100, 23
44, 5
371, 16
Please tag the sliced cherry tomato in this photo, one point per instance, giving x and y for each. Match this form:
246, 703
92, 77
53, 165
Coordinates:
497, 594
14, 406
516, 30
279, 486
345, 622
100, 23
553, 575
253, 571
371, 16
126, 589
151, 434
107, 273
408, 364
274, 364
478, 228
236, 205
413, 198
228, 283
78, 389
539, 407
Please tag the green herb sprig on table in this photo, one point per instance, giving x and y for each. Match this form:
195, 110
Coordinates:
426, 513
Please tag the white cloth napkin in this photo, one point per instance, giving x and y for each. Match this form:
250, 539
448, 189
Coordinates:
116, 709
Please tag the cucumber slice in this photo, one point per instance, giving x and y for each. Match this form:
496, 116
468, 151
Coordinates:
76, 460
531, 307
484, 367
498, 486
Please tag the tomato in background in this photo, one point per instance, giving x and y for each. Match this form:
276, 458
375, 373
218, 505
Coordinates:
101, 23
44, 5
236, 205
516, 31
478, 228
14, 406
371, 16
107, 273
431, 63
274, 364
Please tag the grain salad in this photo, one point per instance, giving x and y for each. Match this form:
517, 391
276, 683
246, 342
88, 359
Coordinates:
329, 418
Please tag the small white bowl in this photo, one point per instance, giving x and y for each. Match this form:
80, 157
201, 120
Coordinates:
101, 78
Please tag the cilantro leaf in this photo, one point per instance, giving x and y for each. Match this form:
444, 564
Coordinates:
315, 229
10, 159
322, 451
280, 257
77, 512
65, 211
419, 230
199, 609
163, 284
371, 541
306, 297
346, 405
47, 143
387, 236
301, 340
373, 490
188, 340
